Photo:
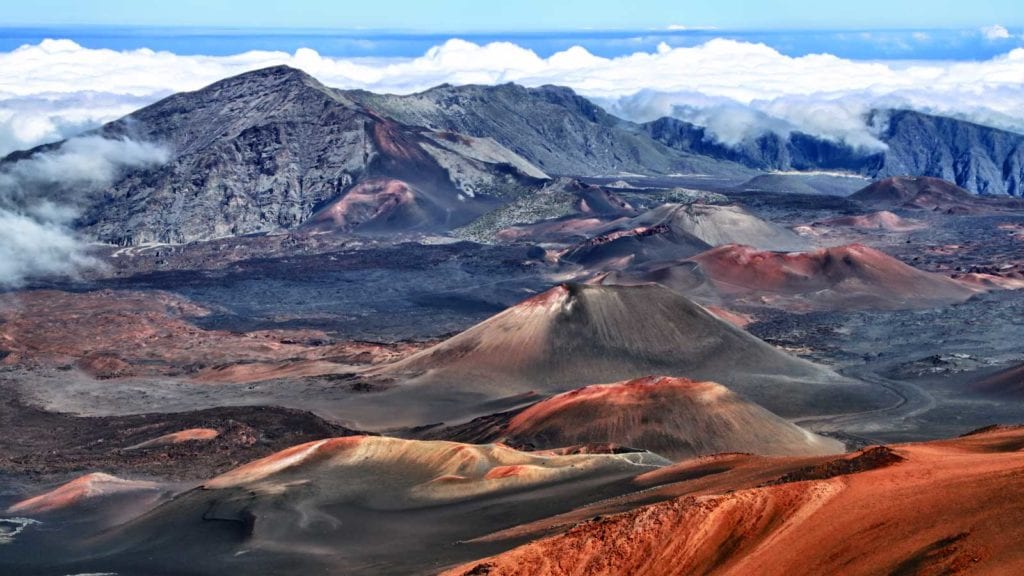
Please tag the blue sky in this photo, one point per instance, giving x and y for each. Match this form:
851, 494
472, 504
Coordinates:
907, 44
461, 16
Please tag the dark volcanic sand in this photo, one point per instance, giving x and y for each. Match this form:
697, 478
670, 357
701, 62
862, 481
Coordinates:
922, 363
47, 447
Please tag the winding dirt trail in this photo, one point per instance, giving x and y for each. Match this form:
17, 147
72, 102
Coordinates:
913, 402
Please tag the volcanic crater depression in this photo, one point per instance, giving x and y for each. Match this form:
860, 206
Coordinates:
502, 331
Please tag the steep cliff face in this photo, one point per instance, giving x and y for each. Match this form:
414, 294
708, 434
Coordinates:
266, 150
979, 158
768, 151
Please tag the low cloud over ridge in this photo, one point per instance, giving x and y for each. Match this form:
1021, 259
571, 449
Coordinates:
40, 196
54, 88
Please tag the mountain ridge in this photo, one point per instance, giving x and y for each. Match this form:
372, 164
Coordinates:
573, 136
265, 151
982, 159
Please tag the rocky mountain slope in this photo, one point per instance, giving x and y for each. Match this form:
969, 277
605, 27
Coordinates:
564, 133
264, 151
273, 149
982, 159
769, 151
979, 158
551, 126
563, 205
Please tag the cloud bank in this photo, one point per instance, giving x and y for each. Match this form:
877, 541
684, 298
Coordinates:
738, 90
40, 196
56, 88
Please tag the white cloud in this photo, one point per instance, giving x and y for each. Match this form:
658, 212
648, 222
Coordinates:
51, 89
32, 248
31, 119
995, 32
40, 196
684, 27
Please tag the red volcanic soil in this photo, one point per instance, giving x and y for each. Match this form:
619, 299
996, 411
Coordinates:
371, 201
366, 505
190, 435
947, 507
988, 281
260, 371
1005, 277
111, 334
396, 142
913, 192
737, 319
882, 220
388, 206
104, 366
927, 193
1008, 382
674, 417
853, 276
392, 473
551, 230
90, 486
306, 454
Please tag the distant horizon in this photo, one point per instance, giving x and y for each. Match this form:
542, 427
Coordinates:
55, 82
891, 44
737, 81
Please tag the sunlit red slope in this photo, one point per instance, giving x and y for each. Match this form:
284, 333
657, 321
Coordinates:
391, 473
90, 487
949, 507
365, 505
853, 276
674, 417
378, 204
